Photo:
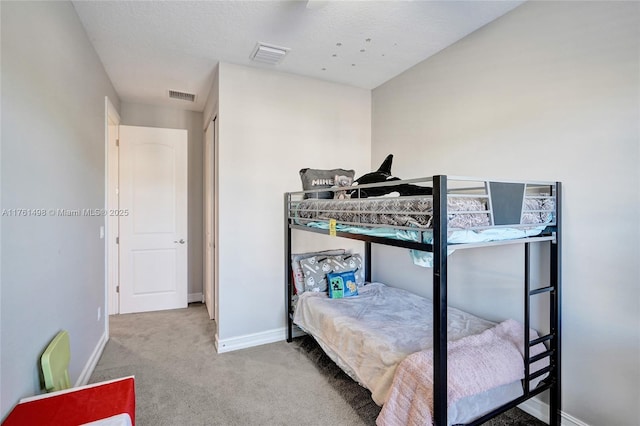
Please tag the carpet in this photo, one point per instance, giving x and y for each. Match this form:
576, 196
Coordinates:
181, 380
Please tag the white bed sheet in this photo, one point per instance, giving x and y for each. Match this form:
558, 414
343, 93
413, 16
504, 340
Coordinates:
117, 420
370, 334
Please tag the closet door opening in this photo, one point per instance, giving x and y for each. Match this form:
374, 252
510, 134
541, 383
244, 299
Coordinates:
210, 220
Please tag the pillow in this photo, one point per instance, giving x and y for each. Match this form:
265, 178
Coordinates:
341, 181
318, 179
342, 284
354, 263
298, 276
315, 270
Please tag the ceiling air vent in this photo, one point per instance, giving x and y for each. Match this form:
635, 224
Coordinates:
183, 96
269, 54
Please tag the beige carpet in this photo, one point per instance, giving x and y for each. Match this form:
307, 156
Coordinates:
181, 380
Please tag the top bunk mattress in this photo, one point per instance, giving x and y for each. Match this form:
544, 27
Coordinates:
477, 211
413, 212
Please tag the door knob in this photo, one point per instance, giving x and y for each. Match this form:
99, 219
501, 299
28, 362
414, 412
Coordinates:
181, 241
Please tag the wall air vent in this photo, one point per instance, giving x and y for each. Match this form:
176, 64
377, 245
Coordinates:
269, 54
183, 96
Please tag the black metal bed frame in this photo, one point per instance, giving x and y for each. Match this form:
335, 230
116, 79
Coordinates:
439, 249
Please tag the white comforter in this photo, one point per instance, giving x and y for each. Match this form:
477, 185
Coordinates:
370, 334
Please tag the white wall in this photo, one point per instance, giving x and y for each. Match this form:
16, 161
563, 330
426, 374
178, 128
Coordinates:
53, 156
155, 116
271, 125
550, 91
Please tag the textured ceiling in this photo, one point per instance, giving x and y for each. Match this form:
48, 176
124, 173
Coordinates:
150, 47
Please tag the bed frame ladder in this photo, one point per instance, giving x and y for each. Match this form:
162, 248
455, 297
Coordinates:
552, 382
552, 339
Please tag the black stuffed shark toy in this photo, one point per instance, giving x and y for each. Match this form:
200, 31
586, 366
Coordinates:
383, 174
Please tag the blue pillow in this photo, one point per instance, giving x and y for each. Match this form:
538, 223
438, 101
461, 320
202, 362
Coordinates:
342, 284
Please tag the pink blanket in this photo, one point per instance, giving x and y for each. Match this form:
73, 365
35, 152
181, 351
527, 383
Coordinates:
475, 364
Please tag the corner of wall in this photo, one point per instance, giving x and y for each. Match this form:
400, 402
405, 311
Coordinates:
87, 371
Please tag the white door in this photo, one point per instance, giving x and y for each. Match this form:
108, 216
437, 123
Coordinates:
153, 220
209, 187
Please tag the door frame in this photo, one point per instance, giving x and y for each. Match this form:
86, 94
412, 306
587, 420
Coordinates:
112, 305
211, 162
112, 224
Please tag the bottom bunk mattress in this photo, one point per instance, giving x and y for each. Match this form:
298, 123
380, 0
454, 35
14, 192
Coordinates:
369, 336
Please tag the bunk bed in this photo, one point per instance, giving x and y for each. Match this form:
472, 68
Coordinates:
459, 213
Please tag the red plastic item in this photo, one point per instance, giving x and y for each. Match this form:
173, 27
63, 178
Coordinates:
76, 406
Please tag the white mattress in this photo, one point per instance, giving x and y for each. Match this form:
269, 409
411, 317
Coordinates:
370, 334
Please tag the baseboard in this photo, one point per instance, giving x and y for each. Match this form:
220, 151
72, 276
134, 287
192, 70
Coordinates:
195, 297
254, 339
87, 371
540, 410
